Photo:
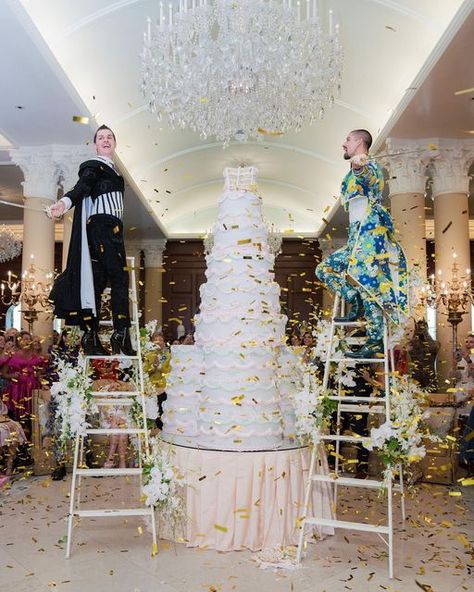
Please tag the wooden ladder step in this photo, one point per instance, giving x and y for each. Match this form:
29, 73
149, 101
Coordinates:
108, 472
122, 512
349, 525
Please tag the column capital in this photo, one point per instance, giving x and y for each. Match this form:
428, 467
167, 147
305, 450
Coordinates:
450, 166
406, 162
39, 169
154, 249
68, 159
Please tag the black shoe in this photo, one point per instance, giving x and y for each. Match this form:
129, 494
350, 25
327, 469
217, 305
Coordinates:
59, 473
371, 349
121, 343
357, 310
91, 344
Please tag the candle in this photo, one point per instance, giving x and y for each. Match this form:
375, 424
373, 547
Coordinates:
161, 16
170, 15
148, 30
331, 22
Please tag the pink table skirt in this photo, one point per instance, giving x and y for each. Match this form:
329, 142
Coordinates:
250, 500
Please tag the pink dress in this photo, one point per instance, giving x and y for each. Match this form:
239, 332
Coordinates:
10, 430
25, 379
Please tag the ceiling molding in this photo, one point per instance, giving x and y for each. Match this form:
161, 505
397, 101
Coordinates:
396, 7
443, 43
212, 145
98, 14
266, 180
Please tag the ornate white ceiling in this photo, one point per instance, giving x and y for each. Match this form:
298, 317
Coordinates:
388, 44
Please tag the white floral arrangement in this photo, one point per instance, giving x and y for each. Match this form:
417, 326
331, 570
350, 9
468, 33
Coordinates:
73, 394
162, 485
146, 334
344, 374
10, 245
399, 440
313, 408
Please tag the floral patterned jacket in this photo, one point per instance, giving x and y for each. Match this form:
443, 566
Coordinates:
377, 263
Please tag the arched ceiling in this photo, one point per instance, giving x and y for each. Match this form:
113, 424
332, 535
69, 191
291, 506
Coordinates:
387, 44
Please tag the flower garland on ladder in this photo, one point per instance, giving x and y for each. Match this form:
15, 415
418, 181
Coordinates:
73, 395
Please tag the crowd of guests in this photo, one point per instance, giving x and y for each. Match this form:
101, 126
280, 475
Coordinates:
24, 368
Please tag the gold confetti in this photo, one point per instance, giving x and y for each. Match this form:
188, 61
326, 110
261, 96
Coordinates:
265, 132
221, 528
80, 119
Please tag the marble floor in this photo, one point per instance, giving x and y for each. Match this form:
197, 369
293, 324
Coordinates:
433, 553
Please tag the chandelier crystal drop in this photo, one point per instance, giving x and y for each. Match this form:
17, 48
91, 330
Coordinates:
10, 244
241, 68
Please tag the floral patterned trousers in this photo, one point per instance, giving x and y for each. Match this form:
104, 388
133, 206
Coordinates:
332, 272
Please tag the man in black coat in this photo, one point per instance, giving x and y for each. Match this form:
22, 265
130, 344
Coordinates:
96, 252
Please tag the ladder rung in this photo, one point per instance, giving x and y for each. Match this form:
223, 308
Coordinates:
115, 431
124, 512
108, 323
351, 399
112, 357
107, 472
106, 402
349, 481
362, 408
337, 438
359, 360
348, 525
116, 394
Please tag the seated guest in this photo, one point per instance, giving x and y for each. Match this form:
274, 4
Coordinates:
157, 366
108, 377
295, 340
11, 436
466, 447
189, 339
462, 372
308, 343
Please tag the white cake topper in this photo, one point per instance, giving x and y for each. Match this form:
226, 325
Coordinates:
240, 178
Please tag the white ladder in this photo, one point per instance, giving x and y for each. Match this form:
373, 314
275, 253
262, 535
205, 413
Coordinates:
353, 404
109, 398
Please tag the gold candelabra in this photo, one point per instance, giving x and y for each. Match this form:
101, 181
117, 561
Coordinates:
453, 295
28, 292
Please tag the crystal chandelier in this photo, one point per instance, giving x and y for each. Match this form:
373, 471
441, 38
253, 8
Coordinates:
241, 68
10, 245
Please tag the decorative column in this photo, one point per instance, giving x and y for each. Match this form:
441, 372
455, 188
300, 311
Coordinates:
451, 220
68, 159
40, 189
407, 182
154, 279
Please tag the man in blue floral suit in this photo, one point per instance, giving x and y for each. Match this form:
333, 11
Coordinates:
370, 272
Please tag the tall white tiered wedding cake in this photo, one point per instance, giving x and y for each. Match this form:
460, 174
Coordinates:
232, 369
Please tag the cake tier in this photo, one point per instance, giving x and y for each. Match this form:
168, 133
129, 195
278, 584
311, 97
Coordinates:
239, 402
246, 296
220, 328
249, 237
183, 387
240, 206
259, 265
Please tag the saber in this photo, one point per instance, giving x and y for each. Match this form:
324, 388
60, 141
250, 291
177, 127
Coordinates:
44, 209
431, 148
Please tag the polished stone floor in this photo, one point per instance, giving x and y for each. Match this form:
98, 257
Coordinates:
433, 549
